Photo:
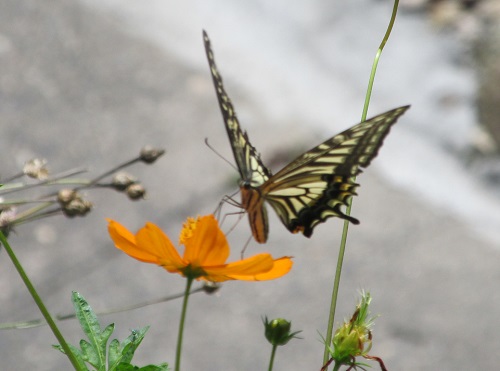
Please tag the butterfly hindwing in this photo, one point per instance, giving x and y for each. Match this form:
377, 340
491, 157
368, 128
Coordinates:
318, 183
252, 170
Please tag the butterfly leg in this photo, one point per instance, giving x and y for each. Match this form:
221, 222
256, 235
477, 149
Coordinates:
242, 254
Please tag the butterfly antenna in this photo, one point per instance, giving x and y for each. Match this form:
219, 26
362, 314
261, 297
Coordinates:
219, 155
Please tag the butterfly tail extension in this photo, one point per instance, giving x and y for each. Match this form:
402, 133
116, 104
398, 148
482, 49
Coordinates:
301, 213
337, 196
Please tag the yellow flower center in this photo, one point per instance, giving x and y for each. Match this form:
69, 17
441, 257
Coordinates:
187, 230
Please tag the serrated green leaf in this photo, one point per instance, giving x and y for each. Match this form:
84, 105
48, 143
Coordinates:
126, 367
94, 352
160, 367
130, 344
114, 353
91, 327
129, 367
77, 353
89, 353
126, 349
86, 316
105, 335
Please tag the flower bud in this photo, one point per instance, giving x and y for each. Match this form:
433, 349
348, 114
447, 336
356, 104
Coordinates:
277, 331
354, 337
135, 191
210, 287
76, 207
7, 217
64, 196
36, 169
122, 180
149, 154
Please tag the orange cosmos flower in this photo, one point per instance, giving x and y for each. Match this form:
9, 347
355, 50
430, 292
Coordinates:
205, 253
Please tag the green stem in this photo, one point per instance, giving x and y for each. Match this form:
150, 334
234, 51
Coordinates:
181, 324
64, 317
39, 302
271, 361
377, 57
340, 259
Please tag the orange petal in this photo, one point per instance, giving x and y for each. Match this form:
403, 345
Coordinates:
152, 240
208, 245
281, 267
126, 241
244, 269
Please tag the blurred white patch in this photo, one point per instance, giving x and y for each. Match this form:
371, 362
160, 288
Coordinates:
5, 44
45, 234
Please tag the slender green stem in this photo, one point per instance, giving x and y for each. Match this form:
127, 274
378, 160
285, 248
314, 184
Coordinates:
271, 361
110, 172
68, 316
377, 57
340, 259
26, 214
181, 324
39, 302
17, 187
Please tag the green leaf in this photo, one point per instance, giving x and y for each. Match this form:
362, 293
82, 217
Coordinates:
160, 367
95, 350
77, 353
114, 353
124, 353
90, 355
128, 367
130, 344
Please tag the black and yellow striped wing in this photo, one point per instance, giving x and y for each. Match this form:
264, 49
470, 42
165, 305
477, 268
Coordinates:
313, 187
252, 170
319, 183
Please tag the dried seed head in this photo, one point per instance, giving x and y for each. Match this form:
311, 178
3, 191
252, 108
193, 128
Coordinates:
64, 196
122, 180
150, 154
136, 191
76, 207
7, 216
36, 169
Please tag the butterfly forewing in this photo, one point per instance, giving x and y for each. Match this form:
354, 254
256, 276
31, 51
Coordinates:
252, 170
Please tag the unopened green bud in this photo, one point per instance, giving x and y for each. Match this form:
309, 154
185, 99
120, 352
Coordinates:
348, 342
354, 338
277, 331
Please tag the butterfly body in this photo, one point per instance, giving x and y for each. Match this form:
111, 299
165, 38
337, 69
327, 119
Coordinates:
313, 187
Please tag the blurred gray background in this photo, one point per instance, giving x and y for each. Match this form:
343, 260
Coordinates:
88, 83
